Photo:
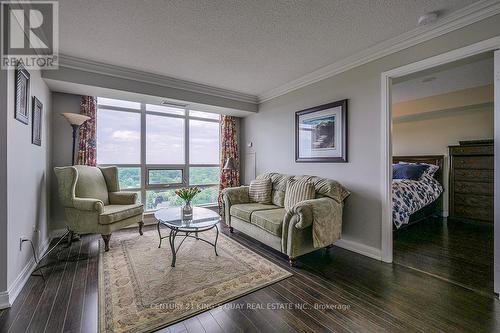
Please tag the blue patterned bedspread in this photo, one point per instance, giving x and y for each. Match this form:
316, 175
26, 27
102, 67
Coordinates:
409, 196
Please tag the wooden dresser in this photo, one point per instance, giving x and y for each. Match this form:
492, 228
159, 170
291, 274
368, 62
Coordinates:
471, 181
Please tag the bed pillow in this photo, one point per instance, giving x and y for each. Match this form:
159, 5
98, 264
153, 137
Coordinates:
260, 191
408, 171
431, 170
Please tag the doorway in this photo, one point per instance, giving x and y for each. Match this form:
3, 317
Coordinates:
406, 73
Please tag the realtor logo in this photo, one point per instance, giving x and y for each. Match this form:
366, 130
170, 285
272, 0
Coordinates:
30, 34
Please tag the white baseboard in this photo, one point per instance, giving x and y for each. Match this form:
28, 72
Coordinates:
362, 249
4, 300
8, 297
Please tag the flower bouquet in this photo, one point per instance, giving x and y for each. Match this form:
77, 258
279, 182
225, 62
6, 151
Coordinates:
187, 194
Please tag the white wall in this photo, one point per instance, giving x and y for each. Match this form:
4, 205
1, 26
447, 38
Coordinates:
3, 187
432, 136
61, 149
27, 179
272, 129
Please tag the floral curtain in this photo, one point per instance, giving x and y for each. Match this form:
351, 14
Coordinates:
87, 144
229, 148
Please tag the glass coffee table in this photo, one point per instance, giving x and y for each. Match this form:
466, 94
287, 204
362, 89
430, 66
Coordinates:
203, 219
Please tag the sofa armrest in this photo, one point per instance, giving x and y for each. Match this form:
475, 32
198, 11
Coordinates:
306, 209
88, 204
122, 198
236, 195
233, 196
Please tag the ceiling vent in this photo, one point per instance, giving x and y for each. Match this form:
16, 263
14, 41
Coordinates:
429, 79
169, 103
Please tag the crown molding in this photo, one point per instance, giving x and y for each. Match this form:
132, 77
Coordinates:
468, 15
72, 62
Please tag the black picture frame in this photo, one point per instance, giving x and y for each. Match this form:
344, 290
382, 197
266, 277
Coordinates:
22, 94
36, 123
340, 126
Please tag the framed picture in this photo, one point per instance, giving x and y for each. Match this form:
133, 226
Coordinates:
321, 133
22, 85
36, 129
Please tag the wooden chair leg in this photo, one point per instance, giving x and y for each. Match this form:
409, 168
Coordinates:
70, 238
106, 239
141, 224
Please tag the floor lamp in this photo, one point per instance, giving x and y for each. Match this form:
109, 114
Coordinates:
75, 120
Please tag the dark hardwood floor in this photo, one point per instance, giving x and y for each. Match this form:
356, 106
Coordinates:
334, 290
458, 252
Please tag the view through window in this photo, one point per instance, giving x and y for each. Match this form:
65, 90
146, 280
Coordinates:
159, 149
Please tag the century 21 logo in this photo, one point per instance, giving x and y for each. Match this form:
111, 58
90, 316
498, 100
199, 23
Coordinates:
29, 27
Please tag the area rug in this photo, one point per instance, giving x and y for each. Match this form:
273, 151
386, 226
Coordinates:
140, 292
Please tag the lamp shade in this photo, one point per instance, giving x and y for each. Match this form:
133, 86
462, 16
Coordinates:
75, 118
229, 165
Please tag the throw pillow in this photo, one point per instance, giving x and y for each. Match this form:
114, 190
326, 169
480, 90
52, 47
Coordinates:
260, 191
297, 191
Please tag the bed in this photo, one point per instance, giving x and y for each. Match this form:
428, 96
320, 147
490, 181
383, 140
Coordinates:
417, 200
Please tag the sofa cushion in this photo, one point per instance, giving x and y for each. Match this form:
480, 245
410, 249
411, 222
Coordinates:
297, 191
260, 191
270, 220
115, 213
244, 211
278, 198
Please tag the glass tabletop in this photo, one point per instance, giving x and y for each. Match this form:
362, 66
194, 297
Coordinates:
201, 218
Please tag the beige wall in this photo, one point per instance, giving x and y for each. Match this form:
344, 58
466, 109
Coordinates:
272, 129
453, 100
433, 135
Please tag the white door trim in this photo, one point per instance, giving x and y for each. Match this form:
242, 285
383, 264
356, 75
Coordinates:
386, 140
496, 226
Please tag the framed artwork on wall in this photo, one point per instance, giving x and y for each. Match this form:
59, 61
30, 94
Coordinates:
321, 133
36, 129
22, 89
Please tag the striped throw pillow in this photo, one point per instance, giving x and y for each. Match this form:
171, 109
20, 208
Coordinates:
260, 191
297, 191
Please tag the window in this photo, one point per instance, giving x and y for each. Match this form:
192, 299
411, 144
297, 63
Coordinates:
164, 140
118, 137
159, 149
203, 142
164, 177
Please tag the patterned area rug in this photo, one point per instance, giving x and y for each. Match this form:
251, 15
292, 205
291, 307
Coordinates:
140, 292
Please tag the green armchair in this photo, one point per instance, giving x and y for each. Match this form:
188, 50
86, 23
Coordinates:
94, 203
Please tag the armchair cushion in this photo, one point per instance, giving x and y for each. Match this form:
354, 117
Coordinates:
91, 184
270, 220
115, 213
244, 211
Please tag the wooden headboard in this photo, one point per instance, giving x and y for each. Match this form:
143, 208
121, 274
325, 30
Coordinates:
428, 159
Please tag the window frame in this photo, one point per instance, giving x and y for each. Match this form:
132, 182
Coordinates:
144, 167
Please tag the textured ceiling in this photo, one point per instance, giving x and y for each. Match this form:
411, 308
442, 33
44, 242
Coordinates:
243, 45
464, 74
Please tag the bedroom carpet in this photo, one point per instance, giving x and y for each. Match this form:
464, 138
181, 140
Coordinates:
459, 252
139, 291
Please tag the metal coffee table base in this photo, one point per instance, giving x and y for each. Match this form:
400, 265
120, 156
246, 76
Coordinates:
186, 233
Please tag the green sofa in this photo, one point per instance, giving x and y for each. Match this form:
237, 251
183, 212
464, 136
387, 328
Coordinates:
94, 203
289, 232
